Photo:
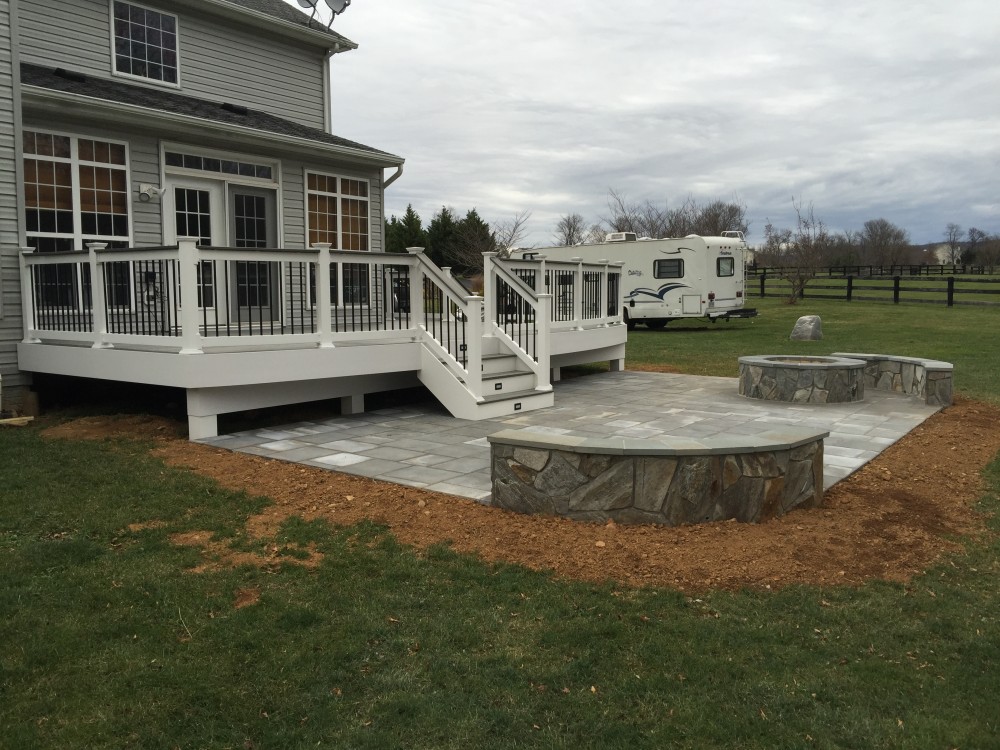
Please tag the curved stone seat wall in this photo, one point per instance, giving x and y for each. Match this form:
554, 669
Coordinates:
928, 379
665, 481
802, 380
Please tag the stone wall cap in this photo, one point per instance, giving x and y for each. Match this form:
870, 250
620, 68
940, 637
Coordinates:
770, 440
927, 364
804, 361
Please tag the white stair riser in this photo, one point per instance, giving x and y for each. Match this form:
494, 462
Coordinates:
509, 383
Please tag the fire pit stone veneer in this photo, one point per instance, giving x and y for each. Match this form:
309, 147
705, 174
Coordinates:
668, 481
802, 379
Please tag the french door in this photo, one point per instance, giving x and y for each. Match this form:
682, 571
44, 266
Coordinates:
222, 215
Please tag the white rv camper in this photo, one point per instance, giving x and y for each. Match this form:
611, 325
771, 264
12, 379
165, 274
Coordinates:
670, 279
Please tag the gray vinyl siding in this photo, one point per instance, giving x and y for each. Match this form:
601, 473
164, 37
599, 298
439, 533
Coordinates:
10, 290
219, 60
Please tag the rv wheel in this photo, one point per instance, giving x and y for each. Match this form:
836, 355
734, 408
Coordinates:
629, 323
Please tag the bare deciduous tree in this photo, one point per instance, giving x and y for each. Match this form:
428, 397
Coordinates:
976, 238
988, 253
953, 235
509, 233
799, 252
647, 219
883, 243
571, 230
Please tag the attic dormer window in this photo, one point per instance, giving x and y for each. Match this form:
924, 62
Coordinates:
145, 42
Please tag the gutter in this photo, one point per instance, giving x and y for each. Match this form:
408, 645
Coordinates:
252, 17
394, 177
198, 125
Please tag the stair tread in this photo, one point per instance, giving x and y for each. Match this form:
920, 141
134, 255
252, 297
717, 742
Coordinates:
511, 395
506, 374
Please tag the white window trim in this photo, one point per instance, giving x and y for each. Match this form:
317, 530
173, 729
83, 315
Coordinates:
114, 54
340, 229
74, 161
78, 235
340, 266
275, 164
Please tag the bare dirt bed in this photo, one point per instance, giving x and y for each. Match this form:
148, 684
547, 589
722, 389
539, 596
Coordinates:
890, 520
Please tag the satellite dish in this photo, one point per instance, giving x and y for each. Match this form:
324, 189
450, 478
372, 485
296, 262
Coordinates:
309, 4
336, 7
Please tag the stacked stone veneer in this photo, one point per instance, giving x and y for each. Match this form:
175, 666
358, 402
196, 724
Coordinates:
803, 380
665, 481
928, 379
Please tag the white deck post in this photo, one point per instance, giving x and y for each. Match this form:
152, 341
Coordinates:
474, 346
416, 288
187, 262
543, 319
489, 289
98, 296
324, 311
27, 297
578, 294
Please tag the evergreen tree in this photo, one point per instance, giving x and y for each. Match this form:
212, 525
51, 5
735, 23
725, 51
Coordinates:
406, 232
473, 238
441, 236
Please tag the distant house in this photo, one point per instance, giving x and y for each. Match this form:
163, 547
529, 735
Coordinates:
170, 187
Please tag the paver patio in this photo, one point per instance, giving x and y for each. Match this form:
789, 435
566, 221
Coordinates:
423, 446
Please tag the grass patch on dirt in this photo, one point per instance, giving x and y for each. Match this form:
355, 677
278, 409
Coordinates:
108, 641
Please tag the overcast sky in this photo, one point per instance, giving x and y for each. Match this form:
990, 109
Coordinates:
867, 109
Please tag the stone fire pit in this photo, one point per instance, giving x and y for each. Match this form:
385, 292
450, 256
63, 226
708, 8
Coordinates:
802, 379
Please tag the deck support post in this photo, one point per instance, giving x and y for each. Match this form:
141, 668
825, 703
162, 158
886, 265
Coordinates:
354, 404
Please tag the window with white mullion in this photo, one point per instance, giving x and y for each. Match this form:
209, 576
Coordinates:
338, 213
144, 43
76, 192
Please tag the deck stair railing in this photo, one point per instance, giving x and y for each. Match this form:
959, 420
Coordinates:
450, 321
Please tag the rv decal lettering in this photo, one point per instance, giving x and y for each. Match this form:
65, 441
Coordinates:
635, 273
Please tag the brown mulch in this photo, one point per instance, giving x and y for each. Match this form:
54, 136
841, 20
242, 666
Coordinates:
890, 520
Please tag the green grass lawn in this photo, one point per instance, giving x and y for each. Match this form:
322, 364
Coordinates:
106, 643
968, 337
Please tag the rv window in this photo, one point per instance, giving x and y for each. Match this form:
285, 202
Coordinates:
668, 269
725, 267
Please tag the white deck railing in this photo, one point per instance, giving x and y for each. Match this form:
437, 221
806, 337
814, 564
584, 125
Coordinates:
254, 299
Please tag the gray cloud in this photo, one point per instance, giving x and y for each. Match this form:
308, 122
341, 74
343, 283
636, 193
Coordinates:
866, 110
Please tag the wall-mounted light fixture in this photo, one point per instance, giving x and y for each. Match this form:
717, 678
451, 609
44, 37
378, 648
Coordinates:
147, 192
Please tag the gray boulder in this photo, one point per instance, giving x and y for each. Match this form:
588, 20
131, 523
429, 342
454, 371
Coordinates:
807, 328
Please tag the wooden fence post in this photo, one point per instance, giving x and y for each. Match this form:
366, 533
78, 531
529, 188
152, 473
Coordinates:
951, 291
763, 282
850, 287
895, 290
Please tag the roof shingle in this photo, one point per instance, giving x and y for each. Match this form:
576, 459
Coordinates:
174, 103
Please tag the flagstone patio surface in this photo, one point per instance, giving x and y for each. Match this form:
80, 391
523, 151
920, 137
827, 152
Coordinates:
421, 445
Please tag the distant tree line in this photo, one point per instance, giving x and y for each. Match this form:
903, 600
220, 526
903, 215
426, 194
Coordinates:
459, 241
801, 250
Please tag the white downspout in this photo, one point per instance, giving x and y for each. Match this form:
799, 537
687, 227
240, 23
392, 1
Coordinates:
328, 88
398, 173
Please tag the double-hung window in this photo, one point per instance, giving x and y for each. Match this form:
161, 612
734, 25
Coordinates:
338, 213
145, 42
